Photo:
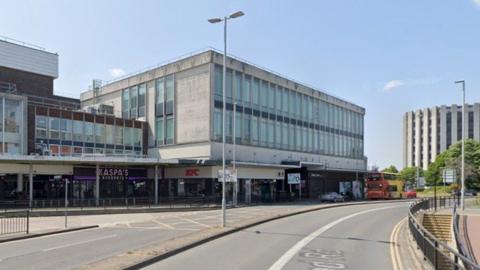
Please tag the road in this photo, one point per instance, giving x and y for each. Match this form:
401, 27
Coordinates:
353, 237
119, 234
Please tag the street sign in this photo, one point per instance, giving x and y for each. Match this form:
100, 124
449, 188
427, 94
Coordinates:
449, 176
231, 176
293, 178
421, 182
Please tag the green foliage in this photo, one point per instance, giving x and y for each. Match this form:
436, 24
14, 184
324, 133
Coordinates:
451, 158
390, 169
409, 174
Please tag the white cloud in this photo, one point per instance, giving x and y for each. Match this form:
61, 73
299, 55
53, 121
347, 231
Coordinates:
389, 86
116, 72
476, 2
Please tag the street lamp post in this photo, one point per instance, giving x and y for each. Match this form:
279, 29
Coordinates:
217, 20
462, 194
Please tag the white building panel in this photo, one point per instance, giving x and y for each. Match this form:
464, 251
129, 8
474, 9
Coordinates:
28, 59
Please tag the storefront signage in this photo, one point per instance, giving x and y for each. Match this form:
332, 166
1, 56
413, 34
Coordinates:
192, 172
116, 174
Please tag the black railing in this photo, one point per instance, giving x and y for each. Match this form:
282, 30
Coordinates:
109, 203
14, 222
437, 252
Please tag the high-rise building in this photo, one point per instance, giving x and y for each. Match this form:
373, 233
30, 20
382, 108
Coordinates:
430, 131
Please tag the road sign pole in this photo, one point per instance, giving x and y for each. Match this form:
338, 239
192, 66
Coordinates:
66, 201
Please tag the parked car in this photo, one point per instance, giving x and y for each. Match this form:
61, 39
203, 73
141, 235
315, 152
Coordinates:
470, 192
331, 197
410, 194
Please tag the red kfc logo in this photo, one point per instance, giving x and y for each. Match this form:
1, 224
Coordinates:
192, 172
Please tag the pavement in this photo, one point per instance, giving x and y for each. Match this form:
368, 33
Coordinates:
472, 224
354, 237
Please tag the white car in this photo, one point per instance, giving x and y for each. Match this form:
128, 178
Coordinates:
331, 197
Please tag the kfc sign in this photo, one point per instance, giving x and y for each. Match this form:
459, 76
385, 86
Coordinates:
192, 172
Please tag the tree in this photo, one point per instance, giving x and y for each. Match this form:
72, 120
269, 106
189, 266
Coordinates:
390, 169
409, 174
451, 158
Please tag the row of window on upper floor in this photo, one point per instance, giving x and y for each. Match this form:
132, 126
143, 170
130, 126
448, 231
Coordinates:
251, 92
255, 131
54, 128
134, 98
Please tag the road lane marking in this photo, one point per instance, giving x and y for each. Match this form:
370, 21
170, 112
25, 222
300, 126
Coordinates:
196, 222
163, 224
79, 243
394, 251
287, 256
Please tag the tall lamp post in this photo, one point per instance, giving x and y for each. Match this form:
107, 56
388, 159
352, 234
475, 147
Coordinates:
224, 20
462, 194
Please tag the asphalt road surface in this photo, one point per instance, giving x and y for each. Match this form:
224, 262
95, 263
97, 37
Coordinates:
65, 251
352, 237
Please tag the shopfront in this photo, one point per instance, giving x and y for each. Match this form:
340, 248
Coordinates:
255, 184
115, 182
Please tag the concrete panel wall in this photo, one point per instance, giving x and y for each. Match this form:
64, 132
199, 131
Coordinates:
28, 59
454, 123
192, 151
476, 121
434, 131
192, 103
443, 128
272, 156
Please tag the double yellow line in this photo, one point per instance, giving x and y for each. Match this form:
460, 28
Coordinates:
394, 247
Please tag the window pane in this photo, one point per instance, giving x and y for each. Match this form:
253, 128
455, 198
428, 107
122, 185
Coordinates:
110, 134
88, 132
170, 88
53, 128
238, 86
78, 131
229, 83
247, 84
271, 97
218, 81
246, 128
119, 135
160, 91
160, 131
170, 130
264, 95
41, 126
13, 116
285, 100
217, 124
126, 103
255, 91
100, 133
278, 98
141, 100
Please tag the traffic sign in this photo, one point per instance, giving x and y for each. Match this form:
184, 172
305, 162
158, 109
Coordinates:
449, 176
293, 178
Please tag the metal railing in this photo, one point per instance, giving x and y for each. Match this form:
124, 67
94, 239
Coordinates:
112, 203
437, 252
14, 222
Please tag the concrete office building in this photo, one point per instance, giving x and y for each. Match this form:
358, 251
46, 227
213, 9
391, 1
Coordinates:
430, 131
281, 126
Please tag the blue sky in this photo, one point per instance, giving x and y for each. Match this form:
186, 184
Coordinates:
387, 56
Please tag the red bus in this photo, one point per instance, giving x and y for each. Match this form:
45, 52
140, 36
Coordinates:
382, 185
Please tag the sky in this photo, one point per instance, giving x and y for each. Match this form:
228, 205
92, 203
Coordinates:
387, 56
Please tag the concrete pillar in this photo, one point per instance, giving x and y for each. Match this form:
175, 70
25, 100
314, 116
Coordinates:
97, 185
19, 182
156, 184
30, 185
248, 191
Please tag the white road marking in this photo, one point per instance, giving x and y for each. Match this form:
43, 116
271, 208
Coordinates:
163, 224
196, 222
79, 243
285, 258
